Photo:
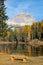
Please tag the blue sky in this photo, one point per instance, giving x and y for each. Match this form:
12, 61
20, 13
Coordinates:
34, 7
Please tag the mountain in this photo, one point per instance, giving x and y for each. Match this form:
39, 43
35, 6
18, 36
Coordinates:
21, 19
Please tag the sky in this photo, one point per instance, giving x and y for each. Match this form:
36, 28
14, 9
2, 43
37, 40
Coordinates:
33, 7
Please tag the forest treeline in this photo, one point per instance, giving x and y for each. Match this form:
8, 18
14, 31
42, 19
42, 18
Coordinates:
35, 31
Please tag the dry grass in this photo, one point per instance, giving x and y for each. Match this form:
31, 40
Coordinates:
4, 60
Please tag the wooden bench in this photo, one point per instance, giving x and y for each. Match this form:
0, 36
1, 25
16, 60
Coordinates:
17, 57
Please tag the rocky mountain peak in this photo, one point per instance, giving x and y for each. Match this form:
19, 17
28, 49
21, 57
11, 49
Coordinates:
21, 19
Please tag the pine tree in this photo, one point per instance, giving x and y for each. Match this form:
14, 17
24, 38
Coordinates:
3, 18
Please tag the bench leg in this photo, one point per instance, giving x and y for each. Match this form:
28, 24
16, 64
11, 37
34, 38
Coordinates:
24, 59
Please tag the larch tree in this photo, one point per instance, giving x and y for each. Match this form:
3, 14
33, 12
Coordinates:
33, 31
39, 30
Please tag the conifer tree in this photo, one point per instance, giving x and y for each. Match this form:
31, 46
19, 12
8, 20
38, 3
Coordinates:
3, 18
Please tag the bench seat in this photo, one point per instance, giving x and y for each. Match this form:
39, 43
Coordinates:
13, 57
